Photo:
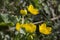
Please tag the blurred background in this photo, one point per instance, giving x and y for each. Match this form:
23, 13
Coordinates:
49, 12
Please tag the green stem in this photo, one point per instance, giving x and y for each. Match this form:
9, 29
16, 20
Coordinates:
23, 19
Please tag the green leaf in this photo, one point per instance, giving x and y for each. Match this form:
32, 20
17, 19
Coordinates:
5, 18
1, 20
3, 24
12, 19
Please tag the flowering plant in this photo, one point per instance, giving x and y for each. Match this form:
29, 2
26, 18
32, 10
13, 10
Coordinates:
29, 28
29, 20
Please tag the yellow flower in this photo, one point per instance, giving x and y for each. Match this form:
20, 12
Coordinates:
44, 30
18, 26
32, 10
23, 12
30, 27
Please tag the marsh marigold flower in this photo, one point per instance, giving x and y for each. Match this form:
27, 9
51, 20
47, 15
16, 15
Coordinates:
23, 12
18, 26
44, 30
32, 10
30, 27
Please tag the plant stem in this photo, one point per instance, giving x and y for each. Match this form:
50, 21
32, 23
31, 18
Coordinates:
23, 19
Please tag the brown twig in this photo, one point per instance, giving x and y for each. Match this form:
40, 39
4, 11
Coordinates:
52, 19
38, 22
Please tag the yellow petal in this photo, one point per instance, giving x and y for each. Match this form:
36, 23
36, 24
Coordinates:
49, 28
30, 7
23, 12
30, 27
42, 26
44, 30
32, 10
18, 26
